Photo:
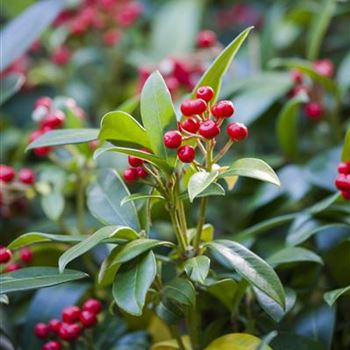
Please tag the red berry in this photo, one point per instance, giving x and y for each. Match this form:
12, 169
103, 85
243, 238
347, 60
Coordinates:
54, 325
209, 129
344, 168
297, 76
206, 93
135, 161
43, 102
190, 124
61, 56
52, 345
26, 255
92, 305
172, 139
191, 107
324, 67
111, 37
88, 318
237, 131
346, 195
5, 255
39, 151
186, 154
69, 332
223, 109
26, 176
141, 172
53, 121
342, 182
186, 108
7, 173
313, 110
41, 330
130, 175
12, 267
71, 314
206, 38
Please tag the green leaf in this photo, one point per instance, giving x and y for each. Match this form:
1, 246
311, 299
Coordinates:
53, 204
122, 129
236, 341
274, 310
10, 84
345, 155
132, 283
332, 296
293, 254
321, 20
140, 196
4, 299
199, 182
343, 78
225, 290
38, 237
207, 233
158, 162
104, 198
324, 204
158, 116
213, 76
36, 277
259, 273
287, 126
108, 268
64, 137
134, 248
180, 290
129, 105
197, 268
254, 168
169, 312
214, 189
16, 41
93, 240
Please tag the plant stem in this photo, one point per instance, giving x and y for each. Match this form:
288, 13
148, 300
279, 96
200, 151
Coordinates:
177, 336
176, 225
223, 150
201, 222
193, 323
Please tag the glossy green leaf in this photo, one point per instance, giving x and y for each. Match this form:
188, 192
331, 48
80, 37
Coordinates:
108, 268
158, 162
132, 282
287, 126
213, 76
16, 41
224, 290
36, 277
236, 341
10, 84
64, 137
139, 196
332, 296
293, 254
254, 168
158, 116
214, 189
345, 155
207, 233
259, 273
169, 312
274, 310
197, 268
39, 237
104, 198
53, 204
199, 182
92, 241
180, 290
122, 129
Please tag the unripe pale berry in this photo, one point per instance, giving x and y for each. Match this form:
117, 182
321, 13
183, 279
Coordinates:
223, 109
313, 110
88, 319
71, 314
206, 93
190, 124
12, 267
186, 154
130, 175
41, 330
7, 173
141, 172
54, 325
92, 305
26, 176
5, 255
52, 345
26, 255
237, 131
69, 332
135, 161
324, 67
209, 129
344, 168
206, 38
172, 139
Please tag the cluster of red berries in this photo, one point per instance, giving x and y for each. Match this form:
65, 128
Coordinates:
6, 255
137, 170
108, 17
73, 321
8, 175
342, 181
315, 108
204, 122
